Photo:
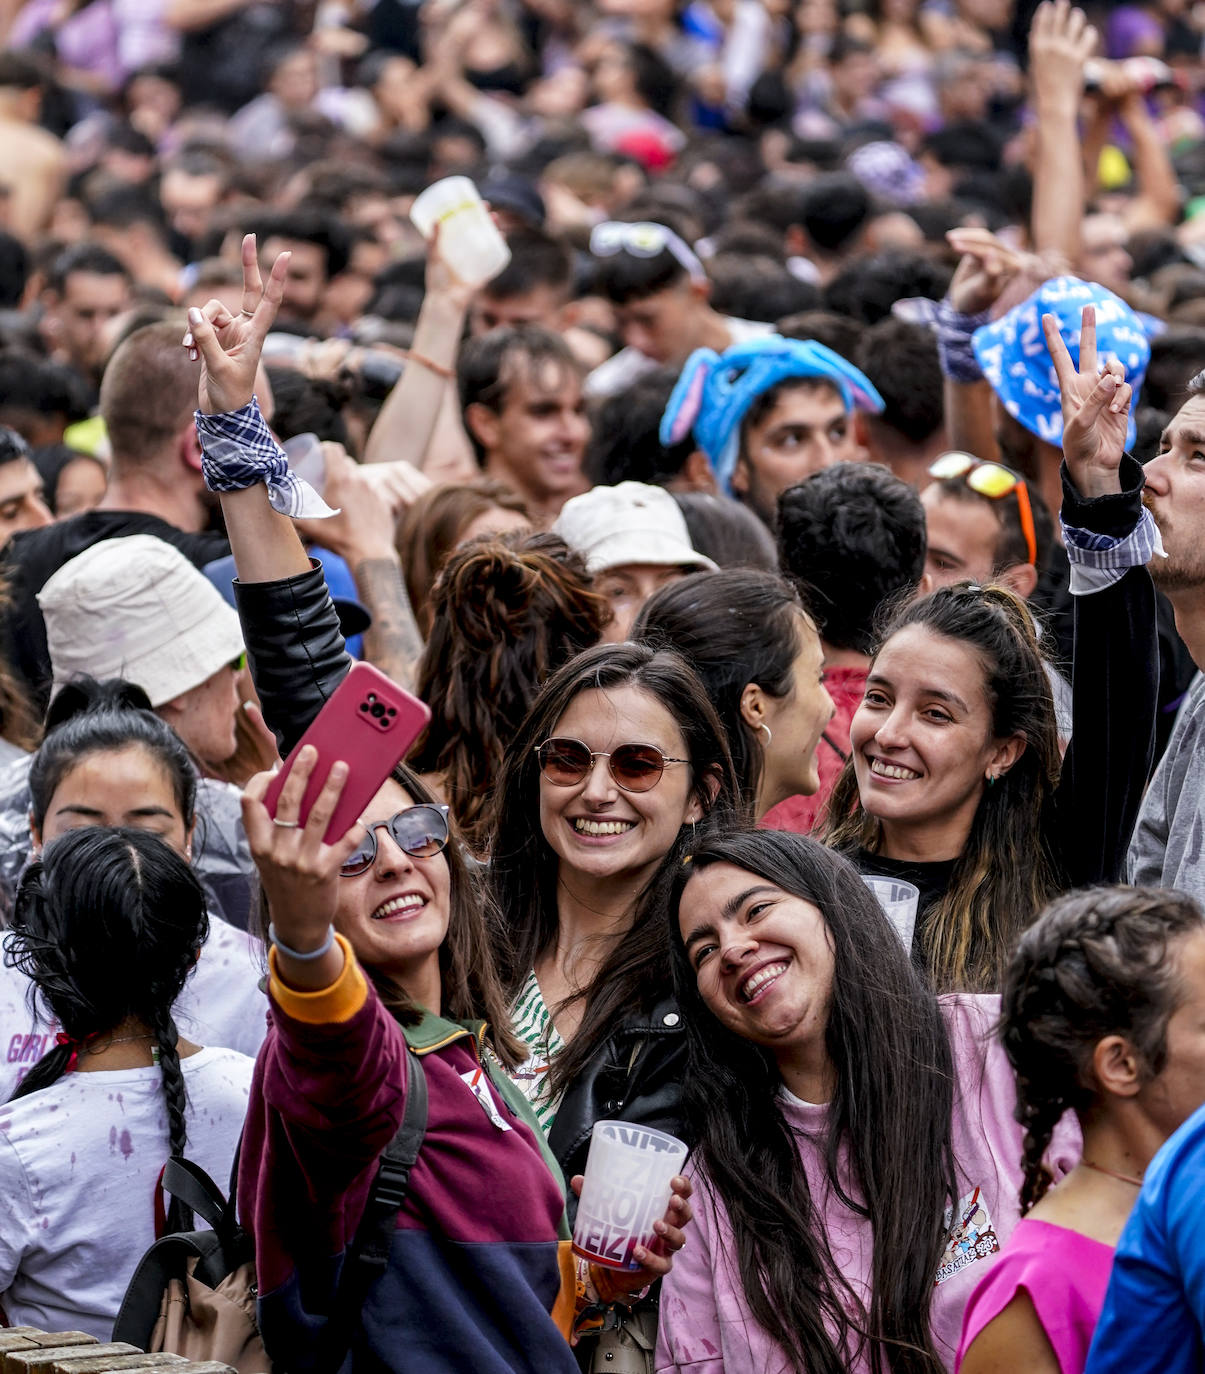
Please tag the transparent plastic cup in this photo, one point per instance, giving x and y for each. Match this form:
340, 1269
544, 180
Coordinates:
469, 241
626, 1188
899, 900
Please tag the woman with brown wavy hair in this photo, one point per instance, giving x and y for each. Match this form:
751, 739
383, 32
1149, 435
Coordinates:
506, 613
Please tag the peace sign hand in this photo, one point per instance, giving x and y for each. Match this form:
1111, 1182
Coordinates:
230, 345
1096, 409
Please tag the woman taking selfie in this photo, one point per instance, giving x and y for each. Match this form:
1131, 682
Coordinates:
855, 1154
107, 927
954, 782
757, 652
379, 949
1101, 1014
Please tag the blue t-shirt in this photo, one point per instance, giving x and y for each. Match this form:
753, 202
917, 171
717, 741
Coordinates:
1154, 1310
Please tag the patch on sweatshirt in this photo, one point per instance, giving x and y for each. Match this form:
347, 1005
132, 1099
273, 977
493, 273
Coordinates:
972, 1236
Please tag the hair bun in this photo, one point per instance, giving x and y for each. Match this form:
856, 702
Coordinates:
83, 694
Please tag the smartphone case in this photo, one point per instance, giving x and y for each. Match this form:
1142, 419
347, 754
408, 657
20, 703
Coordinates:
369, 723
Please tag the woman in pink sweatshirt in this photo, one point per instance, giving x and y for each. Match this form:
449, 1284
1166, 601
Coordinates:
856, 1161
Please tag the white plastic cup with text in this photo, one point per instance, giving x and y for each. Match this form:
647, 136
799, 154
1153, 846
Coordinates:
469, 240
625, 1190
899, 901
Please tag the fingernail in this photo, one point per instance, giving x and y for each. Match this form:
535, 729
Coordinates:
194, 316
188, 340
193, 355
659, 1227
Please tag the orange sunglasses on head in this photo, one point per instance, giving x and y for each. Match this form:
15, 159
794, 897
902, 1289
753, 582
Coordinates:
994, 481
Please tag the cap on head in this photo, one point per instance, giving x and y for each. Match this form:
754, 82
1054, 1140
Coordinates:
612, 527
1013, 355
136, 608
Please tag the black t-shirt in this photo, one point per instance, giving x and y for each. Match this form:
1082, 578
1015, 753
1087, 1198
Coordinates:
930, 879
34, 556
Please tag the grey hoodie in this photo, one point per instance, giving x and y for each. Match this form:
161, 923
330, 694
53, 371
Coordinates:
1166, 848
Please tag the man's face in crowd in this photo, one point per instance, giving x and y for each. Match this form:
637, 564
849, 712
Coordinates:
962, 538
21, 504
537, 438
1103, 252
806, 429
1175, 496
541, 305
663, 326
75, 321
307, 278
189, 201
626, 589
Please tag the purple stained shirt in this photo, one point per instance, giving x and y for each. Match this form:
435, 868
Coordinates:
1063, 1273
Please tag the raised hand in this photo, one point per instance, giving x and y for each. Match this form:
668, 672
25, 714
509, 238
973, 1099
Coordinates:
299, 871
1060, 41
229, 346
988, 265
1096, 409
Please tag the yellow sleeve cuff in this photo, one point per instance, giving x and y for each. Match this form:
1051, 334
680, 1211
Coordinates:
340, 1002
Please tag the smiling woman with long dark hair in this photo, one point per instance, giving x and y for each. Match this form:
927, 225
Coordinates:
856, 1160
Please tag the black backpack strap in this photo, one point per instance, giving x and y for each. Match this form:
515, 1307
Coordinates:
188, 1184
369, 1254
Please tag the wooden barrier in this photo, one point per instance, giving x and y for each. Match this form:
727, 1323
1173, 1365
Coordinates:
26, 1350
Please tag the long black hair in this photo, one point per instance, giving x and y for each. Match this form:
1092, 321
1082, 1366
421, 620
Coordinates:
107, 926
1095, 963
90, 717
523, 866
887, 1152
733, 627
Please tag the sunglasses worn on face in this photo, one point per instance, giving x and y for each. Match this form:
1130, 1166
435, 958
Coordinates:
634, 767
420, 831
994, 481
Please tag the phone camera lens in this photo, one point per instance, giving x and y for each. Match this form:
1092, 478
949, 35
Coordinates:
363, 706
377, 709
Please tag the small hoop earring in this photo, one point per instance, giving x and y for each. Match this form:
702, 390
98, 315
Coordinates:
761, 725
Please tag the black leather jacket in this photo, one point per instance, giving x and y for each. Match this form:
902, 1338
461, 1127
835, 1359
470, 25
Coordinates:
297, 660
294, 649
636, 1075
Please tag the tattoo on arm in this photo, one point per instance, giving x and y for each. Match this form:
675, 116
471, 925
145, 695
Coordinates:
393, 643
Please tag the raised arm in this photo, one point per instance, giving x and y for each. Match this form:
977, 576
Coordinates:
407, 421
1060, 42
266, 547
1115, 669
294, 647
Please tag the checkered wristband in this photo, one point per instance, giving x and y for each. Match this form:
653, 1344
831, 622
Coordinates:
239, 451
953, 329
1099, 560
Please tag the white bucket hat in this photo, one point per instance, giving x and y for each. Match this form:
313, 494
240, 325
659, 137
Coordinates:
631, 523
136, 608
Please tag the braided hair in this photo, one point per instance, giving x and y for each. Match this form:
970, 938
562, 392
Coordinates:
1095, 963
107, 926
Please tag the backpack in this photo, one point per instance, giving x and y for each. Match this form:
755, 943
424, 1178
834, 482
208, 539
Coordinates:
194, 1291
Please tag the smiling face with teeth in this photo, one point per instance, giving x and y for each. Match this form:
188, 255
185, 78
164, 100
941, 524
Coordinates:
599, 832
923, 743
395, 915
763, 959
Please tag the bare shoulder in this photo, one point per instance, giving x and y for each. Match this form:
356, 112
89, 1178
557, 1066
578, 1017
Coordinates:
1015, 1340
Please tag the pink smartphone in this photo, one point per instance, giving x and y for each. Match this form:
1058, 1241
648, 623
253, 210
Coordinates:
369, 723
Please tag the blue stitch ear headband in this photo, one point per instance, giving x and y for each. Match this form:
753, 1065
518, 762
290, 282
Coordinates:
715, 391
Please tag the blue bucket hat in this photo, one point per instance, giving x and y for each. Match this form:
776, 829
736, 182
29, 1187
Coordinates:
715, 391
1013, 355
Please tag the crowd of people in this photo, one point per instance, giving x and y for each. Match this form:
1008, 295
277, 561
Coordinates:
816, 495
